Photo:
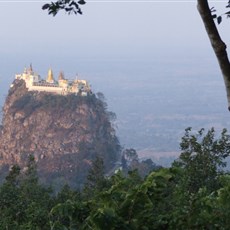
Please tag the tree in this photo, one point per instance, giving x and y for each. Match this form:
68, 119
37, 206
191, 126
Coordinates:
24, 204
202, 159
96, 180
10, 205
218, 45
130, 155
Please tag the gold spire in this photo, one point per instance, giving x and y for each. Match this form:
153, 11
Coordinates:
50, 77
61, 76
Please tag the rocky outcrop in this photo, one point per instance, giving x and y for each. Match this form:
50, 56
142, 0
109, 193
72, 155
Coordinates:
64, 133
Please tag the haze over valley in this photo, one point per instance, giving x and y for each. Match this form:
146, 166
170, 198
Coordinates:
153, 104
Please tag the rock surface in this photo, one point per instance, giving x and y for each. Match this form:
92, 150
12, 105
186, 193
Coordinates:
64, 133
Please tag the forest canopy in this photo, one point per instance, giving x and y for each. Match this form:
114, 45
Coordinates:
191, 194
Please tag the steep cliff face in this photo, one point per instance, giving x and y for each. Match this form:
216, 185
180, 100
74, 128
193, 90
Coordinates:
64, 133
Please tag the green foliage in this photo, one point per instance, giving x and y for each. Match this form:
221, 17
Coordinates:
110, 205
202, 159
130, 162
164, 199
96, 180
12, 177
199, 180
24, 204
68, 215
67, 193
10, 206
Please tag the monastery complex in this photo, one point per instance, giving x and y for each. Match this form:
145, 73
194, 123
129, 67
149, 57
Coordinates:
62, 86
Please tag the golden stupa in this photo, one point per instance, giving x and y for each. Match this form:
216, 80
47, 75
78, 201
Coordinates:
50, 77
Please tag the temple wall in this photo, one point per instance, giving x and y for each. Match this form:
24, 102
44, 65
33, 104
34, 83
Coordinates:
57, 90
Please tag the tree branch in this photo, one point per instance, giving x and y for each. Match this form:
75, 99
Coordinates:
218, 45
69, 6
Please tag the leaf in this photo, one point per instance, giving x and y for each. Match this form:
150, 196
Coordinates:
46, 6
214, 16
212, 9
81, 2
219, 19
73, 3
53, 12
68, 9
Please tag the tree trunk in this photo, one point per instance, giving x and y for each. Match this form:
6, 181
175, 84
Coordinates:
218, 45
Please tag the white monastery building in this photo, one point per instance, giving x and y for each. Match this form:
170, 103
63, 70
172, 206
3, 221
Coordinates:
62, 86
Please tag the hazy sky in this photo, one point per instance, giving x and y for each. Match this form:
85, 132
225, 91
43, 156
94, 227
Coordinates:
106, 29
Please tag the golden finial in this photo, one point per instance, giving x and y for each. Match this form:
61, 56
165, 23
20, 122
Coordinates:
50, 77
61, 76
